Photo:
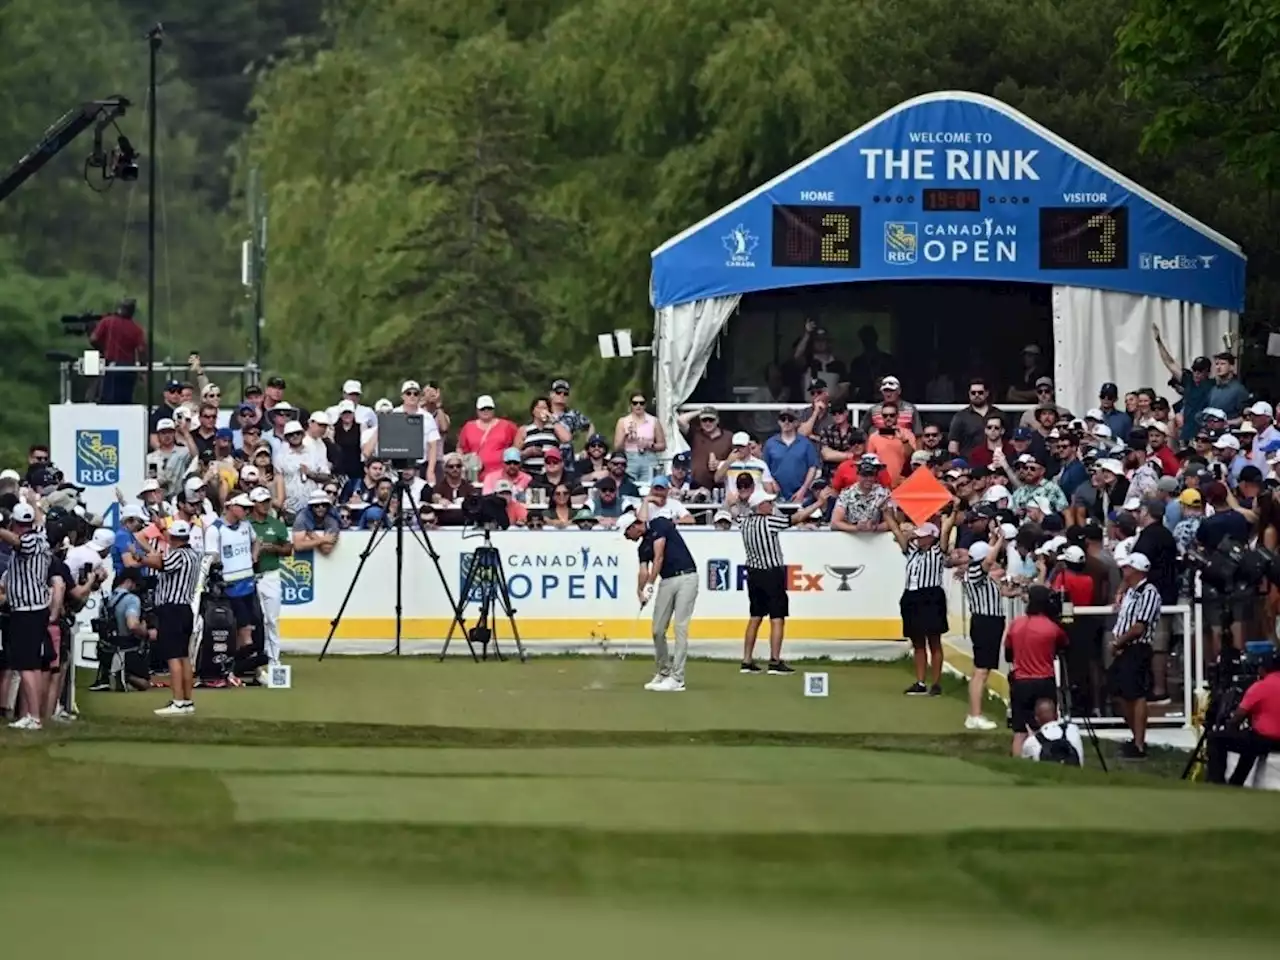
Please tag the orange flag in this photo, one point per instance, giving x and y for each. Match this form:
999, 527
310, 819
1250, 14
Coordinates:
920, 496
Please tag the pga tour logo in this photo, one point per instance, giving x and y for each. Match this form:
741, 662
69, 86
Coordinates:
97, 458
298, 578
1182, 261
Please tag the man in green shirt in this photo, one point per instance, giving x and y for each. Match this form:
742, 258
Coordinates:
275, 542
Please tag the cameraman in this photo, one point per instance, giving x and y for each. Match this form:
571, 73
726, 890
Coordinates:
179, 571
1261, 707
1031, 647
123, 611
1084, 632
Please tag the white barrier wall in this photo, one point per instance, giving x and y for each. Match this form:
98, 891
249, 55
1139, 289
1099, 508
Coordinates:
581, 586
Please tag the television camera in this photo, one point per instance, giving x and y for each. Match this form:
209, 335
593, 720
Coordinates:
1234, 569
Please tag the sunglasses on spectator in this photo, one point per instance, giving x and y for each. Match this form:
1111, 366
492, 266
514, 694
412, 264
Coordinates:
932, 434
638, 401
786, 418
453, 466
411, 393
977, 393
214, 393
562, 493
560, 393
1044, 389
996, 427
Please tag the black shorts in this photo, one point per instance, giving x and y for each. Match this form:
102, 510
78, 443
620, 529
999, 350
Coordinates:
1130, 674
26, 643
245, 609
767, 593
174, 625
924, 614
985, 633
1023, 695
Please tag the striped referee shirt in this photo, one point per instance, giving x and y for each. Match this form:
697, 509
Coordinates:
982, 593
26, 581
760, 540
177, 581
924, 567
1141, 604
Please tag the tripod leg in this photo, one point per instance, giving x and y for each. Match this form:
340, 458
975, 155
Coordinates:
457, 607
504, 596
351, 589
468, 583
400, 570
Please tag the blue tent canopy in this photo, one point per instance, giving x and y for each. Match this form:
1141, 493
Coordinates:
951, 186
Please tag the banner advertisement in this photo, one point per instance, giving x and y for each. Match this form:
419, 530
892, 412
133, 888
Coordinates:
581, 586
100, 448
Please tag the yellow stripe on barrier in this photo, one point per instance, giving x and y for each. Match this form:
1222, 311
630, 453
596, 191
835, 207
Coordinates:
431, 628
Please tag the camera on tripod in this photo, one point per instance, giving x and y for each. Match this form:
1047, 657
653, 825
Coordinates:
1234, 568
488, 511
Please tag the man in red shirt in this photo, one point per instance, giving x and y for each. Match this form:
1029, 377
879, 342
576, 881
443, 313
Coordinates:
1031, 646
121, 341
1261, 705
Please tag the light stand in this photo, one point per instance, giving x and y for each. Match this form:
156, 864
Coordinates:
485, 574
403, 498
155, 39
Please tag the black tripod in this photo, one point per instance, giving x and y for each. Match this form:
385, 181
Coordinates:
1064, 710
403, 498
486, 581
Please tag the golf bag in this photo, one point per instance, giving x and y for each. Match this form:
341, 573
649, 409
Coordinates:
215, 653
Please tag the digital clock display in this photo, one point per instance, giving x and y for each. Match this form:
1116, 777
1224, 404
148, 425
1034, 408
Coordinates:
817, 236
1084, 238
951, 201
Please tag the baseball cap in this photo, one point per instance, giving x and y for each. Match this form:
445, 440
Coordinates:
998, 492
927, 530
1132, 504
1025, 460
1023, 433
318, 497
165, 423
1226, 442
1094, 413
1008, 530
920, 457
249, 473
866, 468
259, 494
277, 382
1201, 364
1108, 391
1073, 554
352, 386
1138, 561
383, 406
132, 511
179, 528
1031, 348
890, 383
1044, 381
618, 456
322, 418
1167, 485
684, 457
1101, 431
627, 519
173, 386
511, 455
1262, 409
346, 406
722, 515
148, 485
1190, 498
1213, 413
23, 513
660, 481
241, 500
410, 385
552, 453
1111, 465
503, 486
597, 440
103, 539
223, 433
194, 483
763, 496
10, 475
979, 551
484, 402
284, 406
708, 413
559, 385
293, 426
818, 384
741, 438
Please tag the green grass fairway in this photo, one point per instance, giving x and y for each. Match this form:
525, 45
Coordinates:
387, 807
567, 693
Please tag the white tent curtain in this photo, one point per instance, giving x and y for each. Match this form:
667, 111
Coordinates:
1101, 336
685, 335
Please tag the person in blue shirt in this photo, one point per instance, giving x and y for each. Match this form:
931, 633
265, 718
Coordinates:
1067, 449
127, 544
1194, 385
663, 553
1119, 421
792, 459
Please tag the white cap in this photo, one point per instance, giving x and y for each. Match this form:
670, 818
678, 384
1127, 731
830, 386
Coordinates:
259, 494
10, 475
1261, 409
383, 406
927, 530
1226, 442
319, 496
1094, 413
410, 385
209, 388
165, 423
741, 439
722, 515
249, 473
763, 496
133, 511
1111, 465
104, 539
921, 457
240, 500
627, 519
193, 484
148, 485
1101, 432
890, 383
284, 406
1025, 458
998, 492
321, 418
1051, 546
1008, 530
1132, 504
352, 386
179, 528
979, 551
24, 513
293, 426
1138, 561
1073, 554
484, 401
1213, 413
346, 406
1159, 425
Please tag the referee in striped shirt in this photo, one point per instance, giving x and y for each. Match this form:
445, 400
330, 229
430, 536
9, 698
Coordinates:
767, 576
1137, 615
179, 571
26, 587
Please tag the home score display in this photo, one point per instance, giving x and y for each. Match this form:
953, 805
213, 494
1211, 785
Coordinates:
1070, 238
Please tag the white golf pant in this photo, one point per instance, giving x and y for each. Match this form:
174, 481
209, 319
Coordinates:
269, 595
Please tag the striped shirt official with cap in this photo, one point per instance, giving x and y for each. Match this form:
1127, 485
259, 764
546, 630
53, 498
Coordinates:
923, 604
986, 627
26, 582
1130, 672
179, 572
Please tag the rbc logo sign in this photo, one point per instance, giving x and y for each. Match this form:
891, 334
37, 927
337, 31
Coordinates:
97, 458
298, 578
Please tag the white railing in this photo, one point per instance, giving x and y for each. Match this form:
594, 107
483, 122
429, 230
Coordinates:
858, 409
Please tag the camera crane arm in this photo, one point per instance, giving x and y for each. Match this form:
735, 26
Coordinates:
98, 114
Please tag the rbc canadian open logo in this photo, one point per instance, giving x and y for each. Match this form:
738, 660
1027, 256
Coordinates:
900, 243
97, 458
298, 578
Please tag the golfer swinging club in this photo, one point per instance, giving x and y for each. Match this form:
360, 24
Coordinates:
663, 553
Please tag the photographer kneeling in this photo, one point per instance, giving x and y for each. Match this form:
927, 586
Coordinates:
1261, 707
1031, 646
127, 632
